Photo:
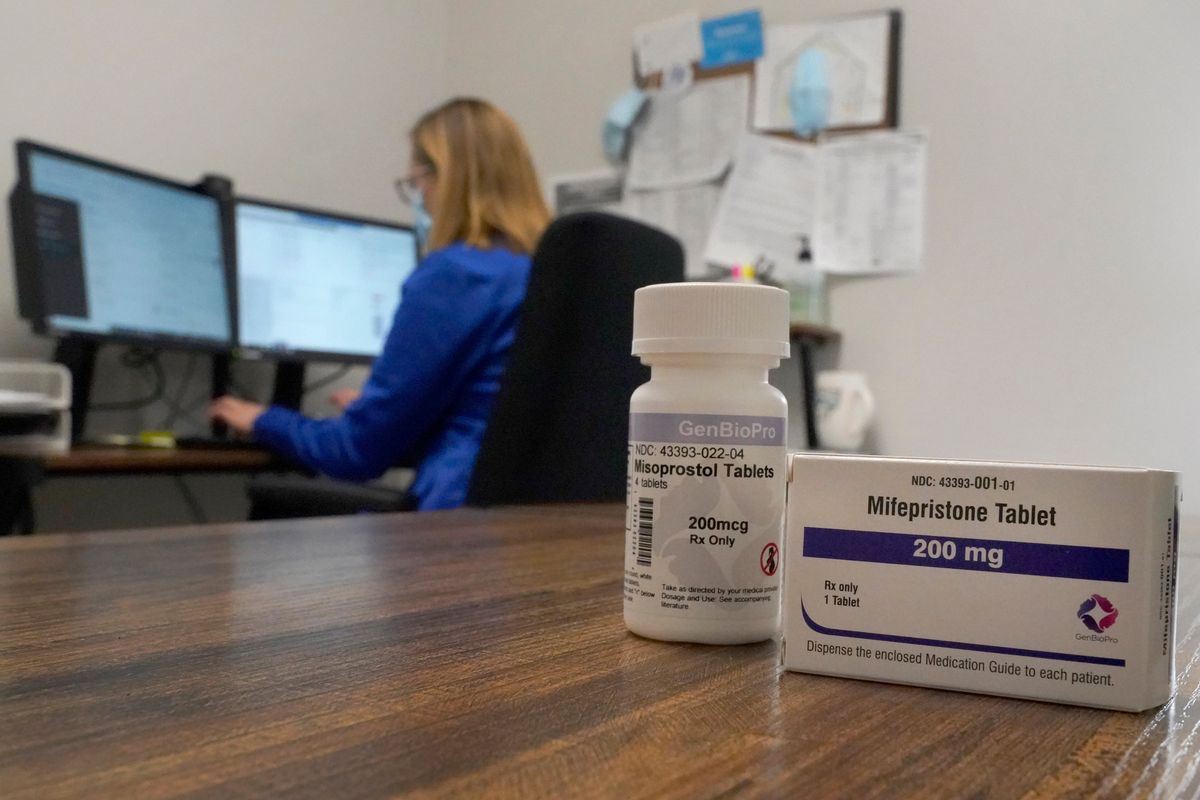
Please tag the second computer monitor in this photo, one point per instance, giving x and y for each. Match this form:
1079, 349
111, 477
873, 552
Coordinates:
317, 285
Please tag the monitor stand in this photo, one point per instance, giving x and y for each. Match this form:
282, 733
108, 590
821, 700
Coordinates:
289, 385
79, 357
220, 386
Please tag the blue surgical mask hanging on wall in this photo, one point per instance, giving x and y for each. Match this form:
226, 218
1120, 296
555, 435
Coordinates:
809, 95
422, 222
620, 118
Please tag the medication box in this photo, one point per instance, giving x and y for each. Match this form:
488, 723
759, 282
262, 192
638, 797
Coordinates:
1038, 581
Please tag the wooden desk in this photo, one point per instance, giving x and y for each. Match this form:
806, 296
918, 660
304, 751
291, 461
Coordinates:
482, 653
104, 460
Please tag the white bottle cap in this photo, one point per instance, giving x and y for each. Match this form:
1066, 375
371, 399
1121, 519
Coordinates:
711, 318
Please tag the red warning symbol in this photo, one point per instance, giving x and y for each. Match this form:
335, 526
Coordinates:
769, 560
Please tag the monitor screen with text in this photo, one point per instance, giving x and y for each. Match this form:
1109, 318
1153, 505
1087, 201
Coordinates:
126, 255
315, 285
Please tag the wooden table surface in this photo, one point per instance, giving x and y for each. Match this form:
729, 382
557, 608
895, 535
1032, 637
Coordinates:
481, 653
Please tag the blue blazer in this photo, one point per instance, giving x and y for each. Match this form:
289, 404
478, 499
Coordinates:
431, 390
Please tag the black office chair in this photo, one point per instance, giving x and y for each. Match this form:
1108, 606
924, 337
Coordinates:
559, 430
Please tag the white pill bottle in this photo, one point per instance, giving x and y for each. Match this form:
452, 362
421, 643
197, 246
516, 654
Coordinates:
707, 464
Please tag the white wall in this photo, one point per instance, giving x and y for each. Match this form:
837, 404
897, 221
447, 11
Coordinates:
300, 100
1055, 317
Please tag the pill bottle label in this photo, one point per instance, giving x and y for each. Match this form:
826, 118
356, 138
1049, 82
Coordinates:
705, 515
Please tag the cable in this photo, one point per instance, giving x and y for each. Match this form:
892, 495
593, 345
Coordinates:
190, 499
332, 377
138, 358
176, 406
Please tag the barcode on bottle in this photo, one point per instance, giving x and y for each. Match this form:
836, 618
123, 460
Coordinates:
645, 531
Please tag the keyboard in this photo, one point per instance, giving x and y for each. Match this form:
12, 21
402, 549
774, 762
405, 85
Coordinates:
211, 443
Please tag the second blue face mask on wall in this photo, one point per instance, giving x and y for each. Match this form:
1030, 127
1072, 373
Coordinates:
809, 95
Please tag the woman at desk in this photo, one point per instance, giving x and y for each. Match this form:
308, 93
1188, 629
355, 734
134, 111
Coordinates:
479, 211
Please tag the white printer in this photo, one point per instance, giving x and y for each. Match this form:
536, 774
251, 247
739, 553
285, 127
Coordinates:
35, 408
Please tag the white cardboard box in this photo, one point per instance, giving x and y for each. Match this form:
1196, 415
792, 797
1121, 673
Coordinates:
1037, 581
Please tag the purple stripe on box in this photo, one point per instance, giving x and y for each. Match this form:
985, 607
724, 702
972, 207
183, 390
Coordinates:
982, 555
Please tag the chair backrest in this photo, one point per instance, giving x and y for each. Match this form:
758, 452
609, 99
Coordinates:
559, 431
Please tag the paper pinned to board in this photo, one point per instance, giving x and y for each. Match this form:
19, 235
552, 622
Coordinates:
689, 138
675, 40
598, 190
685, 212
768, 208
855, 52
871, 216
849, 205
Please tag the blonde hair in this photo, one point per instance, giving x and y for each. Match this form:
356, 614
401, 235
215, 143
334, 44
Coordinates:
488, 192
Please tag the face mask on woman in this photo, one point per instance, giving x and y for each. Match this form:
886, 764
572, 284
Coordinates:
422, 222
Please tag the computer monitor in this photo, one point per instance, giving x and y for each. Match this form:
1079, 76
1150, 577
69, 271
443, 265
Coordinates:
108, 252
315, 285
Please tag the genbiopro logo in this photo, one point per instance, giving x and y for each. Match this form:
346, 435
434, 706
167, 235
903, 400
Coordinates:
1097, 613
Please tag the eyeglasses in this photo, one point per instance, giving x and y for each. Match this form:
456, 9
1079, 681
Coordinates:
406, 187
